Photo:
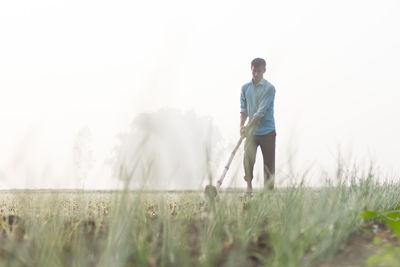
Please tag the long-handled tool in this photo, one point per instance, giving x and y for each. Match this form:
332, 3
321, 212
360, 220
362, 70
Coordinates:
219, 183
211, 191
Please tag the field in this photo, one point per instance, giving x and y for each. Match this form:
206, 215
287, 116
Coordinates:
338, 225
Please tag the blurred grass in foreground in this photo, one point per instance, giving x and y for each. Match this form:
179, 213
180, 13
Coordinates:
295, 226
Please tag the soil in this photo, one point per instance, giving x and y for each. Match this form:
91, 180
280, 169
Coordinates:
360, 246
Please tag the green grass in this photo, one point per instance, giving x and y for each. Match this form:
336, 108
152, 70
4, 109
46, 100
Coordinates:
295, 226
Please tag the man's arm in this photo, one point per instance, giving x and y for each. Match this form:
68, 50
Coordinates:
243, 118
243, 111
254, 122
248, 129
267, 101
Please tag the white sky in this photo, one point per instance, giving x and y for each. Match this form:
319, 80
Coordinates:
72, 65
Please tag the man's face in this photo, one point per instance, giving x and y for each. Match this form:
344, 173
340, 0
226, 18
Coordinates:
257, 73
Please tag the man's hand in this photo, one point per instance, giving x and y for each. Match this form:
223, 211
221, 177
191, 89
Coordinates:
250, 127
243, 131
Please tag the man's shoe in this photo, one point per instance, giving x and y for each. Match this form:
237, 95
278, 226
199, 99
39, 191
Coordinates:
246, 196
269, 185
249, 188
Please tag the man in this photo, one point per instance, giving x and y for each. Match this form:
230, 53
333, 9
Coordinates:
257, 104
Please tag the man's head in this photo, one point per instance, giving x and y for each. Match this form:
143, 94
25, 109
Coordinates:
257, 69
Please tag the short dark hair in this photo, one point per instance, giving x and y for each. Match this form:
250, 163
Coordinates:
258, 62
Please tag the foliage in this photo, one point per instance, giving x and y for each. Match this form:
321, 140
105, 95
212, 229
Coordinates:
388, 255
390, 217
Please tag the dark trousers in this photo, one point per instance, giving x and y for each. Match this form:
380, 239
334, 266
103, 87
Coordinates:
267, 144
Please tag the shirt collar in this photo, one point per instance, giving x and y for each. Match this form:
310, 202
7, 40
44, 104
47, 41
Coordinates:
262, 82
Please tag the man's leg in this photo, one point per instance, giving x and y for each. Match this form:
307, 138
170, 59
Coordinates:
267, 143
250, 149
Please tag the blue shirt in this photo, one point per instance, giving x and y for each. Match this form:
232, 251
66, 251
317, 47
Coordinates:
258, 100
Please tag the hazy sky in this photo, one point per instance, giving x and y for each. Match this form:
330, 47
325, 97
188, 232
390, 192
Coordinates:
73, 67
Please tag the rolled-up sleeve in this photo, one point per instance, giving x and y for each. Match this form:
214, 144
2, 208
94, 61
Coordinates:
266, 102
243, 102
